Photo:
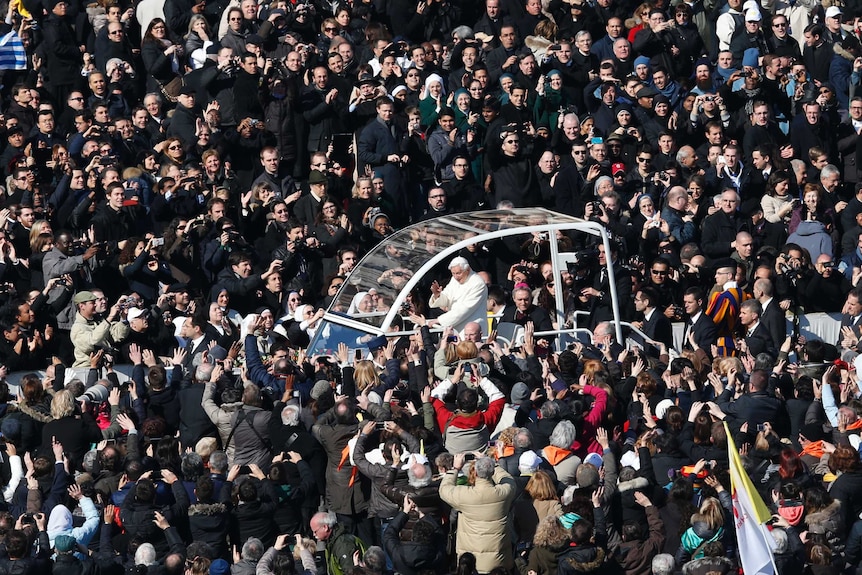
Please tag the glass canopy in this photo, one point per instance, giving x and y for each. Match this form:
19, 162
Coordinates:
399, 262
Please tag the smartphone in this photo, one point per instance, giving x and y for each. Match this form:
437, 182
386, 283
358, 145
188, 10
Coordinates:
380, 425
469, 456
452, 339
158, 242
596, 140
761, 427
842, 267
720, 160
357, 356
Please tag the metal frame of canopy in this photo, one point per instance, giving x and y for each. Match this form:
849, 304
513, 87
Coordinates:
422, 246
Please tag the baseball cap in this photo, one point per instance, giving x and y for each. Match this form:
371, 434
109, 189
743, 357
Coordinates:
617, 167
134, 313
84, 296
833, 12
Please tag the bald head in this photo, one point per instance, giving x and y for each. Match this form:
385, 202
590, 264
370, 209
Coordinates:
473, 332
744, 244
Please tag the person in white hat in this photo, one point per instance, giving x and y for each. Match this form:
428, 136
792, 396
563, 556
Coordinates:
834, 32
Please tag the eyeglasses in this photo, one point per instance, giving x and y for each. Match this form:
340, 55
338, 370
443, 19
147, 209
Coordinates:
512, 141
579, 152
115, 32
330, 29
174, 147
644, 160
658, 272
779, 24
235, 19
77, 99
158, 28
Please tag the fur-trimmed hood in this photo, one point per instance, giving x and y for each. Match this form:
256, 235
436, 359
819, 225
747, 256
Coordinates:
843, 52
38, 411
826, 520
586, 559
633, 484
211, 509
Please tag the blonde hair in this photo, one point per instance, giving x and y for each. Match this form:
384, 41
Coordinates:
365, 375
63, 404
723, 365
466, 350
356, 185
307, 544
541, 488
205, 447
711, 512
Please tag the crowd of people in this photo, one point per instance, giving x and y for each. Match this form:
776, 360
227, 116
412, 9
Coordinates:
190, 185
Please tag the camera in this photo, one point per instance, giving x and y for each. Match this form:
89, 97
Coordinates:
380, 425
469, 457
761, 427
406, 308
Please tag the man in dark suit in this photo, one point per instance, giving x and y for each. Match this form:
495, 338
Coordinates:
851, 321
604, 346
382, 146
655, 325
504, 58
524, 311
197, 340
755, 334
755, 407
697, 322
308, 206
600, 291
772, 316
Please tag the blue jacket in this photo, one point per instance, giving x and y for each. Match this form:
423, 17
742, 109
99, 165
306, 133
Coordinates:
259, 375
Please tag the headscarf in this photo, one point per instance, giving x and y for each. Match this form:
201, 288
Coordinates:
354, 303
430, 80
458, 92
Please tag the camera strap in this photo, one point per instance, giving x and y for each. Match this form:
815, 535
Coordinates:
241, 416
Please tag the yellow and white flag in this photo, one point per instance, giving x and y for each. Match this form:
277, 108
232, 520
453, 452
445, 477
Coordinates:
750, 515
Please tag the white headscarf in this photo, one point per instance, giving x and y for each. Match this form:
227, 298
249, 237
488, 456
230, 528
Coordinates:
434, 78
354, 303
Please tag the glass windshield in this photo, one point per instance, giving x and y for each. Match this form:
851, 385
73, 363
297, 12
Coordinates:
387, 268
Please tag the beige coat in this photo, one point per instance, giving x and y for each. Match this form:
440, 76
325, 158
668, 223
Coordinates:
483, 517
